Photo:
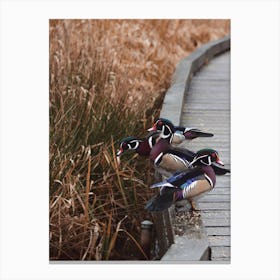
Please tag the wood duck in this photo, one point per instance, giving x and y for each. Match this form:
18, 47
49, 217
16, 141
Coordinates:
141, 146
177, 134
166, 159
187, 185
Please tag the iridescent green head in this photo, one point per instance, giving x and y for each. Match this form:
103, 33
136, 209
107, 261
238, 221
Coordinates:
166, 128
128, 143
207, 156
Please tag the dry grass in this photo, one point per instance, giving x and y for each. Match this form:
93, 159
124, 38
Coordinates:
107, 81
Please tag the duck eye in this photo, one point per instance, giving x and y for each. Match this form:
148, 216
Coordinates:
124, 146
159, 124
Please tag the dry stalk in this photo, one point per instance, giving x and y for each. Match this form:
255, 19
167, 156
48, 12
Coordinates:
87, 193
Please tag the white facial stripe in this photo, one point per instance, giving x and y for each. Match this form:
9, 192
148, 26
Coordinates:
170, 131
171, 138
133, 145
136, 144
198, 158
209, 161
162, 135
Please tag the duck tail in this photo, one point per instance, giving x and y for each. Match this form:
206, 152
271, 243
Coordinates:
162, 201
220, 170
194, 133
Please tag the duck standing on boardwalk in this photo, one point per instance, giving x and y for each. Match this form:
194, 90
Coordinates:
165, 159
177, 134
187, 185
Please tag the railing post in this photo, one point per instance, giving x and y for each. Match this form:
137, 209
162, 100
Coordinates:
146, 237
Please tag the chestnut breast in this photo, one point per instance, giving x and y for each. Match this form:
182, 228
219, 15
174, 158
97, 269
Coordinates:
161, 146
144, 148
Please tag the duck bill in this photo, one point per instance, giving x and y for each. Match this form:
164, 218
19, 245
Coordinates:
119, 152
153, 128
220, 162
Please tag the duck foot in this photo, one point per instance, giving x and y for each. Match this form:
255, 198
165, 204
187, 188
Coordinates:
193, 208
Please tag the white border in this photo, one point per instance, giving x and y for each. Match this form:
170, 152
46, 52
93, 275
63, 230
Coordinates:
24, 138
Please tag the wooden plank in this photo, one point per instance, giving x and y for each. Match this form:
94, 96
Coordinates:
220, 253
217, 230
217, 214
219, 240
222, 184
221, 190
222, 222
223, 180
215, 198
214, 205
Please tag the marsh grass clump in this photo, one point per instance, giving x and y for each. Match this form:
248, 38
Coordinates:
107, 81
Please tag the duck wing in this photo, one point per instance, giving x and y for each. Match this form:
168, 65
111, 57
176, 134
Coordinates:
179, 178
192, 133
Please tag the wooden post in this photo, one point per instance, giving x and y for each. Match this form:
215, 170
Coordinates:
158, 219
163, 226
169, 226
146, 237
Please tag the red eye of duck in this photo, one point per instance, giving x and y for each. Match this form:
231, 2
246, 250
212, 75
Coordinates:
159, 124
124, 146
217, 158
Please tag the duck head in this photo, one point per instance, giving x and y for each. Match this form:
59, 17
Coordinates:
166, 128
206, 157
128, 143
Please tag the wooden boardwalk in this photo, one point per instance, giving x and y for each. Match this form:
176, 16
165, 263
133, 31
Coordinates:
207, 107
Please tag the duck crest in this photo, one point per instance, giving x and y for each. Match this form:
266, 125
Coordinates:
167, 123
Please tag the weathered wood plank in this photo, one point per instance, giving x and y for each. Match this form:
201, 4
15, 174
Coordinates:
213, 222
219, 240
217, 230
214, 205
221, 190
221, 214
215, 198
220, 253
